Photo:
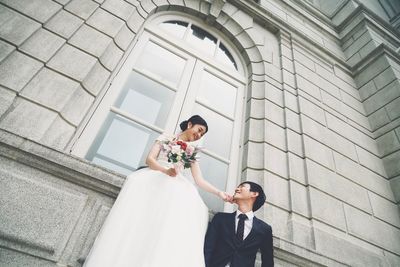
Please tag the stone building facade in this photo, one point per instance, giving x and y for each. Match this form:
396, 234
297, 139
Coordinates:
310, 94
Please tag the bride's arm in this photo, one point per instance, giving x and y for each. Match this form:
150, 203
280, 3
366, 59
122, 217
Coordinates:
153, 164
203, 184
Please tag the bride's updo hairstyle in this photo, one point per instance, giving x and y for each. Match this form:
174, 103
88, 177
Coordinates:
195, 119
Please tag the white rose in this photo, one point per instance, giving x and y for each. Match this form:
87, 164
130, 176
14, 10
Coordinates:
176, 149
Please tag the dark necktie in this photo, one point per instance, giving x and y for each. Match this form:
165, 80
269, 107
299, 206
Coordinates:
240, 228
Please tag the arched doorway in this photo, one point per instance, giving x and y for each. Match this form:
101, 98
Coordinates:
178, 67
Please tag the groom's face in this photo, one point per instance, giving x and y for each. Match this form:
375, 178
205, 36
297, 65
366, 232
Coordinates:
243, 192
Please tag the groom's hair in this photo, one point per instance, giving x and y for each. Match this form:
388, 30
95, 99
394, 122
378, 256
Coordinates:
260, 200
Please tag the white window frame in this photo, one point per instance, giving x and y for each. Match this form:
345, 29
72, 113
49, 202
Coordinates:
157, 35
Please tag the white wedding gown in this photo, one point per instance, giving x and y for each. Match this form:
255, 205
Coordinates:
156, 221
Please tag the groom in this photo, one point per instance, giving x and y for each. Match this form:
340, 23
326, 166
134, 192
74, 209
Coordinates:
233, 239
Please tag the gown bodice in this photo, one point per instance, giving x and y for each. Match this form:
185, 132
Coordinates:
162, 157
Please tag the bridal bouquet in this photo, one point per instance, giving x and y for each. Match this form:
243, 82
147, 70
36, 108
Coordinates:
180, 153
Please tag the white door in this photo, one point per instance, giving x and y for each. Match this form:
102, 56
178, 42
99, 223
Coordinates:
160, 85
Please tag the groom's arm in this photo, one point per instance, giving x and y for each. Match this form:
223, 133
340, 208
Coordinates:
267, 250
210, 241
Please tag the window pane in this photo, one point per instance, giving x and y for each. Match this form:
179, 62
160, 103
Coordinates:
202, 40
219, 136
224, 56
177, 28
216, 172
121, 144
217, 94
146, 99
162, 63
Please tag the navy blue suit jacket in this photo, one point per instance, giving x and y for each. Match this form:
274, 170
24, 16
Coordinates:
222, 246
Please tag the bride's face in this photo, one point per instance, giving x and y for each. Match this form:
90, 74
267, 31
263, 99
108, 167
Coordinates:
194, 132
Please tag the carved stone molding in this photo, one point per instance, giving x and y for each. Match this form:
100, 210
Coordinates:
215, 9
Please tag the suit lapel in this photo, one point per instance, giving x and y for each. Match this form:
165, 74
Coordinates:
231, 224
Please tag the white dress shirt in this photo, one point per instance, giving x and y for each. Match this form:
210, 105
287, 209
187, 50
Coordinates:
248, 224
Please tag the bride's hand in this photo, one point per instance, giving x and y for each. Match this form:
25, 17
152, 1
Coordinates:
171, 172
225, 196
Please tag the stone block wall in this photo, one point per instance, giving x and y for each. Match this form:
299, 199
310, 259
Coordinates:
379, 88
321, 128
56, 58
52, 205
327, 174
345, 179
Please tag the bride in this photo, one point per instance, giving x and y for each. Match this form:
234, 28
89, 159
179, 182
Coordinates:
159, 218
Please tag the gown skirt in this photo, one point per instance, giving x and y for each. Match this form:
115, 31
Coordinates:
156, 221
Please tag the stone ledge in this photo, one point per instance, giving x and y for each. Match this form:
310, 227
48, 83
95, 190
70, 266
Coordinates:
367, 16
380, 50
295, 254
66, 166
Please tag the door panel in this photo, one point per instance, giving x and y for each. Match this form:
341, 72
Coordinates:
160, 62
219, 138
121, 144
218, 98
146, 99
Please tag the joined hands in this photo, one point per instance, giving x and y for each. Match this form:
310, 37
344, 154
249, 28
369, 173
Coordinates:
225, 197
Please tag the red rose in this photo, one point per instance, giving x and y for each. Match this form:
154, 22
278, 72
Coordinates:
182, 144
